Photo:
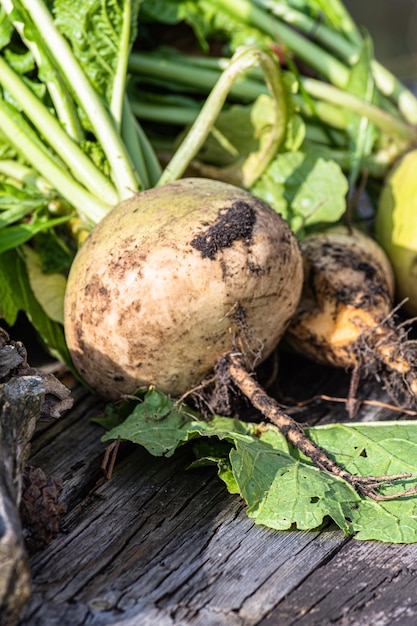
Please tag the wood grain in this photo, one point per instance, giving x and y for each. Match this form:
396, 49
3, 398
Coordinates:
159, 544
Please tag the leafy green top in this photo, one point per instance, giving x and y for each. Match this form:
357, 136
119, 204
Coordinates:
283, 489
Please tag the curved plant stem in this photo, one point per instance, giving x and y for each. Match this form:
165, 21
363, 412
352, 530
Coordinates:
255, 164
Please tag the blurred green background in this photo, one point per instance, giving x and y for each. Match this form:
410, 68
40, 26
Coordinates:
393, 26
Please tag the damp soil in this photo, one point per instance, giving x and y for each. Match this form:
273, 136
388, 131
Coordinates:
233, 223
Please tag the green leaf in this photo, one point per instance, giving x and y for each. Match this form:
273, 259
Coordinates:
48, 289
53, 252
16, 295
6, 29
156, 424
305, 188
95, 30
18, 234
160, 426
282, 492
282, 488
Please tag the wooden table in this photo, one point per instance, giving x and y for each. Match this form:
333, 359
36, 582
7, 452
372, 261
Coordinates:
162, 545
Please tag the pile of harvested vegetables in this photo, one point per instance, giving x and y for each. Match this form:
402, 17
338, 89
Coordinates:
181, 189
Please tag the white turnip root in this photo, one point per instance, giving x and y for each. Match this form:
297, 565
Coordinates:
345, 316
173, 279
187, 279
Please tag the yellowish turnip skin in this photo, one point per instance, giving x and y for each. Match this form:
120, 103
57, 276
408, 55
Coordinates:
396, 227
156, 294
348, 290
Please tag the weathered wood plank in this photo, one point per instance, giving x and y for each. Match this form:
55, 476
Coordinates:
158, 544
366, 584
156, 540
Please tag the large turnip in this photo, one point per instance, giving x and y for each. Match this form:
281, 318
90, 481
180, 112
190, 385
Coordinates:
174, 278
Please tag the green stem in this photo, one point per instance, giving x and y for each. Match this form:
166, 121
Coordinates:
26, 142
383, 120
255, 163
348, 51
25, 175
323, 62
166, 69
317, 58
344, 20
88, 98
119, 82
130, 137
330, 38
140, 146
152, 164
330, 107
327, 114
59, 94
165, 114
390, 86
48, 126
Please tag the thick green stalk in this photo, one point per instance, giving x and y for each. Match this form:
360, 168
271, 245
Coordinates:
83, 169
26, 142
119, 83
255, 163
382, 119
165, 113
169, 70
99, 117
59, 94
24, 175
331, 39
323, 62
348, 51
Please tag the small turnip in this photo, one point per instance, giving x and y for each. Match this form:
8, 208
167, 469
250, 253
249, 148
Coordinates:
174, 278
345, 315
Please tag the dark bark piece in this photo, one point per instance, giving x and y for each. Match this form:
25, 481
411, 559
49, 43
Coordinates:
26, 394
20, 402
41, 509
10, 359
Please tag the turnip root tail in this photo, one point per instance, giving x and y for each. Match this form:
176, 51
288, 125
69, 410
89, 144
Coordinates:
234, 365
345, 317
